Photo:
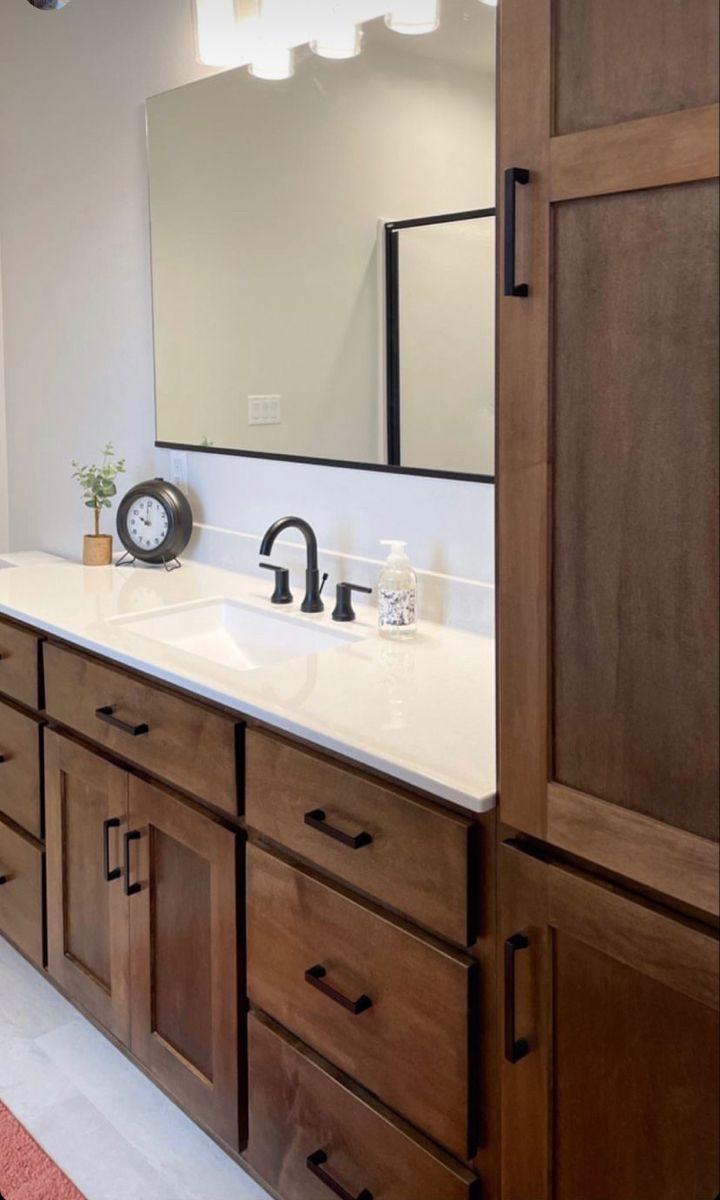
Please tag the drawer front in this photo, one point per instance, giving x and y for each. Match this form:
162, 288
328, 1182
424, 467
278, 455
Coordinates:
302, 1113
21, 893
181, 742
313, 951
410, 846
20, 788
19, 665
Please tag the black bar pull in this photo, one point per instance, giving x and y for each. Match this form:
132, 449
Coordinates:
3, 758
108, 875
316, 820
106, 714
315, 1164
513, 176
131, 889
3, 879
515, 1048
315, 976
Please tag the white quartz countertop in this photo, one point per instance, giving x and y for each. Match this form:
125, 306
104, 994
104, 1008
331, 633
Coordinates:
423, 711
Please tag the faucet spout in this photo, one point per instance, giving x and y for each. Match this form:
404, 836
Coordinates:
313, 601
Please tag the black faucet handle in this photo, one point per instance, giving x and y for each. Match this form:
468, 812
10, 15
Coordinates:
344, 610
282, 593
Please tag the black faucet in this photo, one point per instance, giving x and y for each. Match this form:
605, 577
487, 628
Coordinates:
312, 602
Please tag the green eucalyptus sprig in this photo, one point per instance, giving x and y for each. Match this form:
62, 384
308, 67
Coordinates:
98, 483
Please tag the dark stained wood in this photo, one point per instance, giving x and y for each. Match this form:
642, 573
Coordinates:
19, 672
411, 1049
616, 61
678, 864
189, 745
20, 787
184, 940
300, 1104
414, 845
88, 920
21, 895
618, 1001
635, 528
655, 152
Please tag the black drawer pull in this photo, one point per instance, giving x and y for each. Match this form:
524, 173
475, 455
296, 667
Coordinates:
131, 889
3, 879
108, 875
316, 820
315, 1164
106, 714
3, 758
315, 976
515, 1048
513, 176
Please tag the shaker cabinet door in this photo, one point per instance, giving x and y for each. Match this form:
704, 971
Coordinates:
183, 883
87, 909
611, 1050
608, 435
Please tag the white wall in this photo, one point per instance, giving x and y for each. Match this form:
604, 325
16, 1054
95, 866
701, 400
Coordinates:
4, 497
76, 281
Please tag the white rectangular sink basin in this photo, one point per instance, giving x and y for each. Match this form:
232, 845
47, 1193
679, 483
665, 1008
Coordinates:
236, 635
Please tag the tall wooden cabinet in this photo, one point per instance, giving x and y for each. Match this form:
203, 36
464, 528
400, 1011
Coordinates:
608, 601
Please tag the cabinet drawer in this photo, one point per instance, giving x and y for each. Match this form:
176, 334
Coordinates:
300, 1108
313, 951
19, 665
418, 860
181, 742
20, 794
21, 893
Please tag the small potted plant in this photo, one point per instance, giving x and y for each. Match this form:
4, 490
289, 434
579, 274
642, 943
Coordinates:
98, 487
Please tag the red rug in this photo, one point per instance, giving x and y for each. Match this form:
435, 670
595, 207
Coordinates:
26, 1172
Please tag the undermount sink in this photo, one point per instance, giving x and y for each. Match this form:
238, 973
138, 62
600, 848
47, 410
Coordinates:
234, 634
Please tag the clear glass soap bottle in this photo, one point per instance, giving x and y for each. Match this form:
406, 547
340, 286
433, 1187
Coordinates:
397, 594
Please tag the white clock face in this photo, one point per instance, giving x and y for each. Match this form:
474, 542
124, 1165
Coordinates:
147, 523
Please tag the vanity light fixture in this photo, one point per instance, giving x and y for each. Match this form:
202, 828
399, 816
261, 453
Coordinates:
272, 61
414, 16
338, 36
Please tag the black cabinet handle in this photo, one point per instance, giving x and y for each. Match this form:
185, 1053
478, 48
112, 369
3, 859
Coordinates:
106, 714
513, 176
108, 875
515, 1048
315, 976
3, 879
316, 820
131, 889
3, 758
315, 1164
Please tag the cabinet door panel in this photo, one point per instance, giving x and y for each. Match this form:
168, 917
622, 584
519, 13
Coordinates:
88, 938
20, 784
617, 1001
184, 957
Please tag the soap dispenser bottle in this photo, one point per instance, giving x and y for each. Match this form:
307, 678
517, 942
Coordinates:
397, 594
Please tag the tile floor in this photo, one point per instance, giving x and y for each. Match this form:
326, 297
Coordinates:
114, 1134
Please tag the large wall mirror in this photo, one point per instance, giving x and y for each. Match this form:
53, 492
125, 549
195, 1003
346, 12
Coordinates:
323, 253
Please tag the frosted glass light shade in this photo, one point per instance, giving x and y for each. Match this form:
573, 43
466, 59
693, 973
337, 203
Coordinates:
490, 3
338, 39
272, 61
414, 16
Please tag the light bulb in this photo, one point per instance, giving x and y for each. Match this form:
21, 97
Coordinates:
271, 60
414, 16
338, 38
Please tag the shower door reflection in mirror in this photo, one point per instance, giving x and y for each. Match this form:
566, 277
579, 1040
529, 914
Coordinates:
269, 207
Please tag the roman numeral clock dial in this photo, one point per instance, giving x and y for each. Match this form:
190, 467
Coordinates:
155, 522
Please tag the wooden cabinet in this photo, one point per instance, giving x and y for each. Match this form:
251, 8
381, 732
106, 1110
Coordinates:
143, 927
20, 676
312, 1132
611, 1013
21, 893
88, 916
20, 777
608, 438
391, 846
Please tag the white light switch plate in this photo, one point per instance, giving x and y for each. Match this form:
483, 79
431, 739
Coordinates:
179, 470
263, 410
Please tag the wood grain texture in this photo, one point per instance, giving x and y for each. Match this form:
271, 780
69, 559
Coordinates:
21, 895
300, 1104
635, 503
655, 152
523, 424
88, 919
172, 942
616, 61
414, 845
19, 670
20, 784
411, 1049
189, 745
666, 859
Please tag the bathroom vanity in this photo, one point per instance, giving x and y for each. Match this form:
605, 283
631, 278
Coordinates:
264, 907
